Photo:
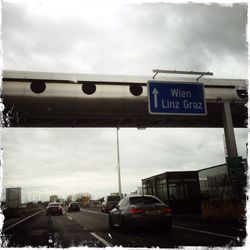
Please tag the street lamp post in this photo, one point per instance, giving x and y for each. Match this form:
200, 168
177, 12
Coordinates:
118, 163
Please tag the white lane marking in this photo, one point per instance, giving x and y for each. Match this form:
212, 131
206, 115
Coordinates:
13, 225
107, 244
207, 232
70, 218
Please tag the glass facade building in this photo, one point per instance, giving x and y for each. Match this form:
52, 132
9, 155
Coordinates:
186, 191
180, 190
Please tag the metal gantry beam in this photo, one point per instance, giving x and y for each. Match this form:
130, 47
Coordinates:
182, 72
40, 99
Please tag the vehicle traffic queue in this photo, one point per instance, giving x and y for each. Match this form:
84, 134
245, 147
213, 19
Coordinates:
133, 211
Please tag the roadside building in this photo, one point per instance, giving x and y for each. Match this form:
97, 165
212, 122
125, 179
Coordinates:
223, 190
13, 197
221, 182
214, 192
180, 189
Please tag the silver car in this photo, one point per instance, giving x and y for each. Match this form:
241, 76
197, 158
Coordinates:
54, 208
141, 211
109, 203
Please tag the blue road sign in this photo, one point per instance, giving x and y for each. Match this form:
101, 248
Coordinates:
176, 98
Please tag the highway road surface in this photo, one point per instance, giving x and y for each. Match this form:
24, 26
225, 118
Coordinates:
89, 227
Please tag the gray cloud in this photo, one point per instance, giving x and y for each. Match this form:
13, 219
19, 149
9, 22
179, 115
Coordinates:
130, 39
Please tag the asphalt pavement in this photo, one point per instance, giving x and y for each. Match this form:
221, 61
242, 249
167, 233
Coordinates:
233, 228
89, 227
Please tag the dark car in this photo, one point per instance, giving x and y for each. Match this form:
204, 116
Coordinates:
141, 211
110, 202
54, 208
73, 206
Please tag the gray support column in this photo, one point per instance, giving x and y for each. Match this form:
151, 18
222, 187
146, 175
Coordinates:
118, 163
229, 131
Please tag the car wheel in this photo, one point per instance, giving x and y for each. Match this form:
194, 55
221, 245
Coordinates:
111, 226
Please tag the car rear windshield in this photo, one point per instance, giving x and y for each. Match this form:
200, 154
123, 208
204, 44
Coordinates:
143, 200
113, 198
54, 205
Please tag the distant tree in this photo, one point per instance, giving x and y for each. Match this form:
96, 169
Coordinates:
54, 198
69, 198
81, 198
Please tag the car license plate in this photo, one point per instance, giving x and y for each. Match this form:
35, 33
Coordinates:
153, 212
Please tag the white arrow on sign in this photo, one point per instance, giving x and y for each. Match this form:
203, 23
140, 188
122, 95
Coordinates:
155, 93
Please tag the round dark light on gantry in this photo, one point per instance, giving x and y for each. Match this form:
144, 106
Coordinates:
242, 93
88, 88
38, 86
135, 89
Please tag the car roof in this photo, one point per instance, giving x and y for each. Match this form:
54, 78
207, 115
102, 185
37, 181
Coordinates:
55, 203
138, 195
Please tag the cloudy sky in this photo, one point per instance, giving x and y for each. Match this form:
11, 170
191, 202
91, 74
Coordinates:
116, 38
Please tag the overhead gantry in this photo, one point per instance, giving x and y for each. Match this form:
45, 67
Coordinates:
42, 99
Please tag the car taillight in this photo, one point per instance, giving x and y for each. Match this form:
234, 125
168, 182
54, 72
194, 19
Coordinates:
136, 211
167, 210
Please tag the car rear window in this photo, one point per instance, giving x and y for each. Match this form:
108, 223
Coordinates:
143, 200
113, 198
54, 205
